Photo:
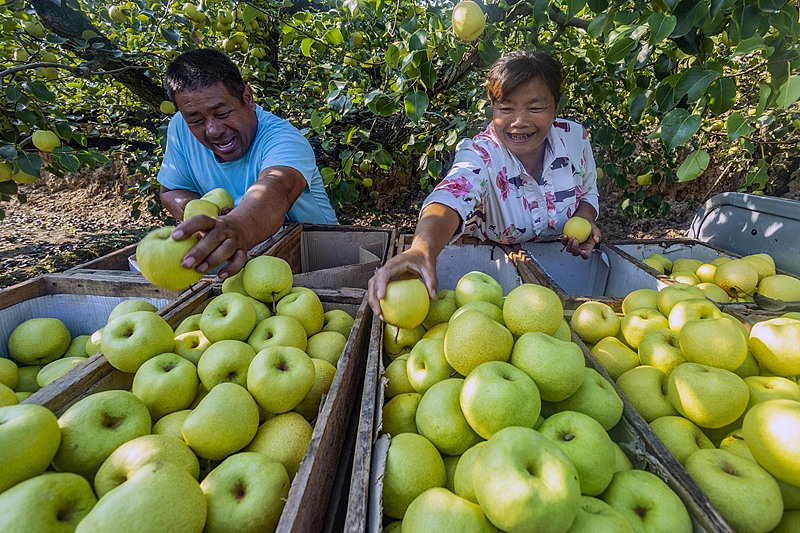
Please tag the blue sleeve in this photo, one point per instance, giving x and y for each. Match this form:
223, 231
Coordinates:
284, 145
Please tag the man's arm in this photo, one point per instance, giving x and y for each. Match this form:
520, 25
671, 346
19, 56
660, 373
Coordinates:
175, 200
258, 216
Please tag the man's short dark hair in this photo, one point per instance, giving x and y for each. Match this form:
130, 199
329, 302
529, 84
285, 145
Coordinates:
520, 67
200, 68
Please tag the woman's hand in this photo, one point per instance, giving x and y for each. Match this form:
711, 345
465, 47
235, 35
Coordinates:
413, 263
583, 249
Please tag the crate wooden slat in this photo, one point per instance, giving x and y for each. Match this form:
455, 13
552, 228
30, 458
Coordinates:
307, 505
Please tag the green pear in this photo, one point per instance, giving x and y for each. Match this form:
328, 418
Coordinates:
94, 342
235, 283
224, 422
77, 348
219, 196
556, 366
198, 206
405, 304
595, 397
326, 345
473, 338
191, 345
427, 364
596, 516
55, 369
225, 361
305, 306
29, 439
129, 306
134, 454
438, 509
396, 376
280, 377
38, 341
278, 330
190, 323
133, 338
615, 357
246, 492
441, 308
413, 465
531, 307
487, 308
27, 379
166, 383
228, 316
49, 502
267, 278
338, 320
283, 438
646, 388
463, 482
7, 396
97, 425
171, 424
440, 418
9, 373
399, 414
647, 502
324, 373
681, 436
399, 340
159, 496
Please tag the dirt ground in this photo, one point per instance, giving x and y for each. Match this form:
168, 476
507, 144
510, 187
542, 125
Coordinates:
71, 220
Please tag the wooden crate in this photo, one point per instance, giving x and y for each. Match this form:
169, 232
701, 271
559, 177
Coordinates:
632, 433
327, 256
82, 300
307, 505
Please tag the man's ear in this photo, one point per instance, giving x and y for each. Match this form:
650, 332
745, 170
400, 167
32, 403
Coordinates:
247, 97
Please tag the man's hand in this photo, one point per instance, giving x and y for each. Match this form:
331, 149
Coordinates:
583, 249
221, 239
412, 263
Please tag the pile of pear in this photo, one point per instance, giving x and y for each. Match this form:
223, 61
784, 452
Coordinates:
724, 399
727, 279
212, 432
495, 422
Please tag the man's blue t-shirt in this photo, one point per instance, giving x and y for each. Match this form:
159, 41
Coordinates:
188, 165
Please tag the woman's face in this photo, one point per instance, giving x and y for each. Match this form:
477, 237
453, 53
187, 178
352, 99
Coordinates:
523, 121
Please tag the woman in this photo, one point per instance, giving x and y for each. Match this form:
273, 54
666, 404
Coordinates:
519, 180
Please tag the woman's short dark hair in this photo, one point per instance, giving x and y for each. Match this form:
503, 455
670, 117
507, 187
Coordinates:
520, 67
200, 68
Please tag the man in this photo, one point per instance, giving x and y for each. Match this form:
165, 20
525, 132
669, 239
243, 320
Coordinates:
221, 138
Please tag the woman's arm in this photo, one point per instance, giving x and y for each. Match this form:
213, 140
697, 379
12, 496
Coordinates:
436, 226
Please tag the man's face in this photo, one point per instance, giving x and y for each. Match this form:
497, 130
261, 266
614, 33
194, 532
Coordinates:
221, 121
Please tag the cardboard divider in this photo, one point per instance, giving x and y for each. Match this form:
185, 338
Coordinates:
307, 505
324, 256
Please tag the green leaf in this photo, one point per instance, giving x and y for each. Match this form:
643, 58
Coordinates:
380, 104
637, 104
789, 92
688, 13
737, 126
13, 93
764, 96
334, 36
540, 9
392, 56
693, 166
69, 162
416, 104
721, 95
8, 152
418, 41
383, 159
170, 35
574, 7
305, 46
40, 91
64, 131
661, 27
677, 127
749, 45
328, 175
620, 49
30, 163
427, 74
694, 82
771, 6
597, 26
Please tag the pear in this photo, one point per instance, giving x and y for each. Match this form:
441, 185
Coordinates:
473, 338
224, 422
49, 502
283, 438
134, 454
159, 496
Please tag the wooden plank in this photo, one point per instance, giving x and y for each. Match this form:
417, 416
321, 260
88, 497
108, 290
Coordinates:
358, 498
308, 498
20, 292
116, 260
